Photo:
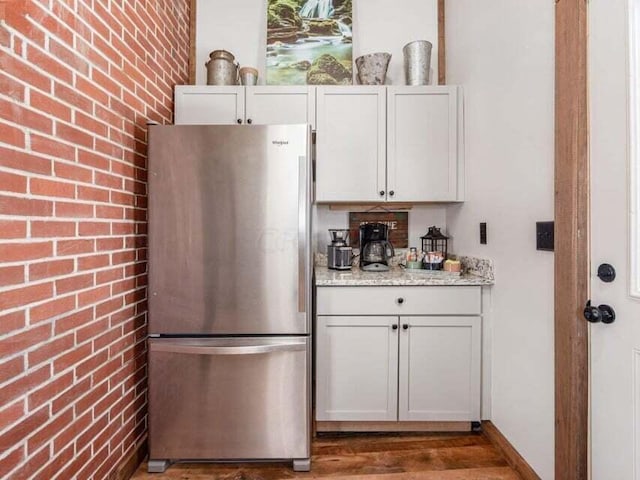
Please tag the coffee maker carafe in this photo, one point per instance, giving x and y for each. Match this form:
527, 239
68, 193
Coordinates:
375, 248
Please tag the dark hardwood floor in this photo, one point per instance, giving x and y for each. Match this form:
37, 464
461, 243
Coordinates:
441, 456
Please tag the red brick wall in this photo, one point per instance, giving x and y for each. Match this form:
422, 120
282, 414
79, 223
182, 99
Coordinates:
79, 79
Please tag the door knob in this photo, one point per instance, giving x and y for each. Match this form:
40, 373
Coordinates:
591, 314
405, 326
239, 121
392, 193
606, 273
249, 121
394, 326
382, 193
601, 313
400, 301
607, 313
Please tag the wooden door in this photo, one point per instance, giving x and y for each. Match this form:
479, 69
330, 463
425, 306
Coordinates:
209, 105
439, 374
356, 368
424, 158
351, 144
280, 105
615, 232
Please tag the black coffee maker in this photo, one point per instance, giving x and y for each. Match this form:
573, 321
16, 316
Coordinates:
375, 248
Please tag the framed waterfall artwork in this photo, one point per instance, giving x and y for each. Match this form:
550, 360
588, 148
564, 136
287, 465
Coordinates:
309, 42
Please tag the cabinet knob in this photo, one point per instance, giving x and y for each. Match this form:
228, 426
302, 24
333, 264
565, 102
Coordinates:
400, 301
394, 326
249, 121
392, 193
382, 193
405, 326
239, 121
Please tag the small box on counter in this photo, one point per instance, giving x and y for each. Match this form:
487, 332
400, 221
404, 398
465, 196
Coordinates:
452, 266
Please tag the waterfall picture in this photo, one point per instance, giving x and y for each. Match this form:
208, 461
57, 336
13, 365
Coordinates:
309, 42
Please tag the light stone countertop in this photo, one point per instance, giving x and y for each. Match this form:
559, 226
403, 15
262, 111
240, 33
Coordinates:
396, 276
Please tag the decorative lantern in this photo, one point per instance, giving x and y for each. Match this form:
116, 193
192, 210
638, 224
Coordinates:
434, 243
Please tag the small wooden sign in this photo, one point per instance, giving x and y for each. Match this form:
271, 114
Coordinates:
398, 223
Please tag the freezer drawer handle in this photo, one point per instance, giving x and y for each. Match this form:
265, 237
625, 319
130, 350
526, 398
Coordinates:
240, 350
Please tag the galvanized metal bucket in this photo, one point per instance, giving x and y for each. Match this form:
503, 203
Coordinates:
417, 62
248, 76
221, 68
372, 68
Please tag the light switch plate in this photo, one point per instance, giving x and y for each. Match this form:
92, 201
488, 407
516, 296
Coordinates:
483, 233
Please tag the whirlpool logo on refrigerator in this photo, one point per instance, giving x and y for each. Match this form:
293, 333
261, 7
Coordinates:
280, 143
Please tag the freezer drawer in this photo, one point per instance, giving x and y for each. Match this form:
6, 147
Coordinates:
229, 399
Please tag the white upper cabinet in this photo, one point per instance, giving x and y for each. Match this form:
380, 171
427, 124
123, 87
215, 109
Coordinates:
373, 143
280, 105
210, 105
424, 156
351, 144
389, 144
227, 105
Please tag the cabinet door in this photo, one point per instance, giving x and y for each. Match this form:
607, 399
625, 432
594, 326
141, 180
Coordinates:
356, 368
280, 105
424, 159
439, 369
351, 144
209, 105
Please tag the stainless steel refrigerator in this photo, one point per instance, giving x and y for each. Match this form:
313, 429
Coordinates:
229, 294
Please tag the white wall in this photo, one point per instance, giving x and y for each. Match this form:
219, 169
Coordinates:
502, 53
240, 26
388, 25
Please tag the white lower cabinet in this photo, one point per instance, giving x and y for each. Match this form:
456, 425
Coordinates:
439, 369
357, 378
405, 366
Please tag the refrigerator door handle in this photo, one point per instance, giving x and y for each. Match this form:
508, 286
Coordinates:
175, 347
302, 234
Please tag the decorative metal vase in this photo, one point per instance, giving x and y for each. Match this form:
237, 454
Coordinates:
372, 68
417, 62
